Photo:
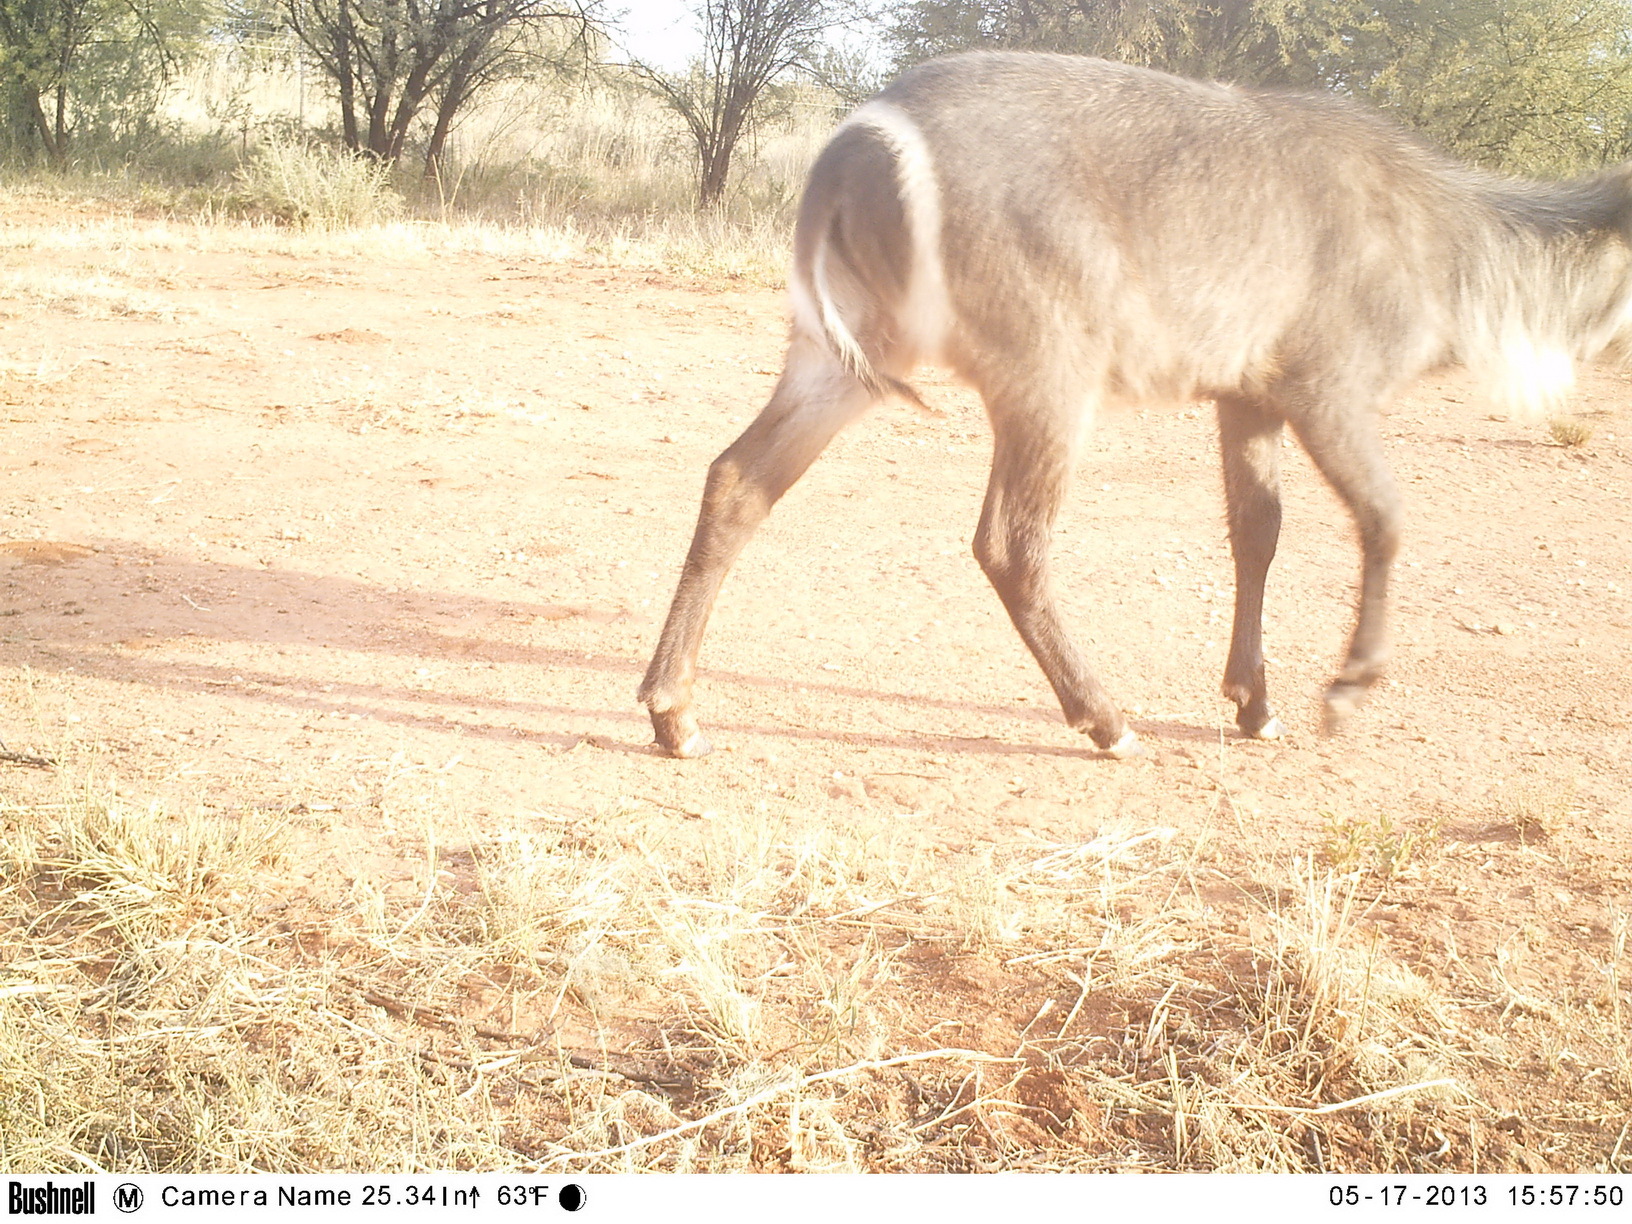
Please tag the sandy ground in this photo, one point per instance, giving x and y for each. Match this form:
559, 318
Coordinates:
385, 538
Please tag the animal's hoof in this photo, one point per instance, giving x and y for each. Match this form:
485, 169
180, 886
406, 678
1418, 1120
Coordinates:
679, 735
1271, 730
1130, 745
696, 745
1342, 700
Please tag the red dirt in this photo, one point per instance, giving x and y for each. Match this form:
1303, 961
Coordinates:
390, 537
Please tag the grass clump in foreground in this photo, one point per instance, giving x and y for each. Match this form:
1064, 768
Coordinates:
769, 995
1568, 431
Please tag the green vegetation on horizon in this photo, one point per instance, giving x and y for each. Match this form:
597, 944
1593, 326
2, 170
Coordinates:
201, 100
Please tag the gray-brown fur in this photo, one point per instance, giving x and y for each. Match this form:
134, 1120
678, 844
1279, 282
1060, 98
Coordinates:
1106, 232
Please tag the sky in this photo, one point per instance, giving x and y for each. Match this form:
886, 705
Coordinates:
660, 32
664, 33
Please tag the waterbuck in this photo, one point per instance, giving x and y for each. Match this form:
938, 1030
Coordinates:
1062, 232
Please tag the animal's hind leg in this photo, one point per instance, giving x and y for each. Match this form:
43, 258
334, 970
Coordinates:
1249, 436
1341, 438
1031, 467
814, 399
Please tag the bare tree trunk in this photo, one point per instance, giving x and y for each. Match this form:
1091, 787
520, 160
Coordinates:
387, 59
346, 78
747, 44
409, 101
716, 174
378, 134
385, 75
452, 99
735, 112
462, 79
55, 154
62, 124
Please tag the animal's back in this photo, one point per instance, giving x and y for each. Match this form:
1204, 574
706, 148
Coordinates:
1194, 236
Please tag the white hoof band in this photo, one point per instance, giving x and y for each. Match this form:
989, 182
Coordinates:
696, 745
1271, 730
1128, 746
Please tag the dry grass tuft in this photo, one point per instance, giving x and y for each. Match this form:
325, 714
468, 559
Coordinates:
85, 295
1538, 811
1377, 846
1567, 431
601, 174
314, 186
786, 996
